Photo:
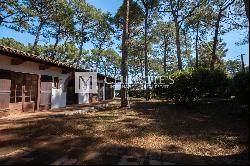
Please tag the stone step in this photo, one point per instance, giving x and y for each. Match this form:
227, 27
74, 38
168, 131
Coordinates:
80, 111
100, 106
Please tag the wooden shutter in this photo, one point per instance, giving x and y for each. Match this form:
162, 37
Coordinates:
5, 85
45, 98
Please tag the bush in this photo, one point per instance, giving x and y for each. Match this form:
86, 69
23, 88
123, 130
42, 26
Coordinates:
184, 89
241, 87
136, 93
212, 83
190, 85
117, 93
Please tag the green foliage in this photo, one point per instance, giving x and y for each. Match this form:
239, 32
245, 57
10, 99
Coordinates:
67, 52
205, 50
135, 16
212, 82
73, 23
10, 42
13, 15
86, 17
60, 28
40, 12
190, 85
106, 61
136, 93
241, 87
184, 89
136, 89
233, 66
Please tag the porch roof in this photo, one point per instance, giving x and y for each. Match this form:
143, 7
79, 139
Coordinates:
11, 52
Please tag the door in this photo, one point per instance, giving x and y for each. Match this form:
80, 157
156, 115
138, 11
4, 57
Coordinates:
71, 96
45, 93
107, 91
5, 85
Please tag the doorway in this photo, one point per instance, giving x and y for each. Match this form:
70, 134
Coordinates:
71, 96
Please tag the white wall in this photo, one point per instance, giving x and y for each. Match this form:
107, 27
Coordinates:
58, 98
83, 98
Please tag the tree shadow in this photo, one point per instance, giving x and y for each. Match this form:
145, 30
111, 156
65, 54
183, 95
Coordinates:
112, 154
215, 122
46, 138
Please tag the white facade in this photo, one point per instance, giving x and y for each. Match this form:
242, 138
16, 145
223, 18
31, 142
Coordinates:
58, 98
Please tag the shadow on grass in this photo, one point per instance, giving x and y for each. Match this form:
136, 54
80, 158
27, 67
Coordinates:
46, 139
51, 137
145, 155
216, 122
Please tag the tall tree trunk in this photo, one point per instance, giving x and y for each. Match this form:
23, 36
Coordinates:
178, 44
66, 40
98, 56
146, 53
165, 56
216, 34
81, 47
115, 72
141, 71
246, 2
186, 43
96, 66
38, 33
196, 46
1, 20
242, 63
217, 26
124, 63
57, 37
81, 43
55, 45
105, 68
57, 41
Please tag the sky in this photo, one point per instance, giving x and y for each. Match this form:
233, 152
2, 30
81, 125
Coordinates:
112, 6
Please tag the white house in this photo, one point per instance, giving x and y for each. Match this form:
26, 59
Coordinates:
29, 82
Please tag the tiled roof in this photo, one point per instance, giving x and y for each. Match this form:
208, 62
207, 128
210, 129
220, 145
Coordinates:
21, 54
17, 53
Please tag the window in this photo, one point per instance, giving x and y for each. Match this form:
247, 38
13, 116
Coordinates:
56, 82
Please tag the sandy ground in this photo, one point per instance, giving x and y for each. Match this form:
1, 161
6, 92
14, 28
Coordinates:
152, 132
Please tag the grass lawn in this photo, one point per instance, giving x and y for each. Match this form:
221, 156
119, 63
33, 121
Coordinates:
215, 133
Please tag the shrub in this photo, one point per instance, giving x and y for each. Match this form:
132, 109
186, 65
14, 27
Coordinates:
212, 83
136, 93
241, 87
136, 90
190, 85
184, 89
118, 93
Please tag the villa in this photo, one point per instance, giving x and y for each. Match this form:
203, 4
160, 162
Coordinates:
31, 83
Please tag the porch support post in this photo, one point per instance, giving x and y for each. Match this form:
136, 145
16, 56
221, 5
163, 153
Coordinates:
23, 97
103, 94
113, 91
38, 92
104, 89
99, 87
